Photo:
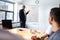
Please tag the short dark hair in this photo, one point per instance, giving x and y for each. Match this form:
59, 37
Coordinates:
55, 13
24, 6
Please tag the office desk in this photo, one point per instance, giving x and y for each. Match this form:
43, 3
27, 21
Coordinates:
26, 33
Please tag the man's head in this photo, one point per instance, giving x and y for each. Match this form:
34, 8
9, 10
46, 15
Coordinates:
54, 17
23, 6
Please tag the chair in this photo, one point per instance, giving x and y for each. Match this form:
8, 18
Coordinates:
7, 24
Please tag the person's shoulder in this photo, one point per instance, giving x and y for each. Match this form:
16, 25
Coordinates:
57, 36
21, 9
9, 36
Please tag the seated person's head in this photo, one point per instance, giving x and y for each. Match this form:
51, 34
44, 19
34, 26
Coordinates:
54, 18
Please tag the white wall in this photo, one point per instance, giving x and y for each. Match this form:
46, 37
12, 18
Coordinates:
44, 10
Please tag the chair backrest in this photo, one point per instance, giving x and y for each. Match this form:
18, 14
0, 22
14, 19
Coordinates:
7, 24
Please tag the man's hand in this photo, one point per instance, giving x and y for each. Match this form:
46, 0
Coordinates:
28, 11
34, 38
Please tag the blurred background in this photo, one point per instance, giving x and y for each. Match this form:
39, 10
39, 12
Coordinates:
37, 17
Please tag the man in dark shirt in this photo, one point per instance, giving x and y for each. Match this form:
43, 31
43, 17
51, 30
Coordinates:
22, 16
54, 20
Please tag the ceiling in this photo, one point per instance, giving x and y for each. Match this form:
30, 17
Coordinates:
19, 1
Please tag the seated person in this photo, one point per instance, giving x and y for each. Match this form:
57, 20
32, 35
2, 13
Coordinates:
54, 20
5, 35
48, 32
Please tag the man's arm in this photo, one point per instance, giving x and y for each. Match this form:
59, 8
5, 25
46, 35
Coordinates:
27, 12
44, 35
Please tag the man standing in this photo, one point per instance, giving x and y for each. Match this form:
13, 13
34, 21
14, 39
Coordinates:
22, 16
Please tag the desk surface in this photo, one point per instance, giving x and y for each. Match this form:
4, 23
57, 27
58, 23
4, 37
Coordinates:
26, 33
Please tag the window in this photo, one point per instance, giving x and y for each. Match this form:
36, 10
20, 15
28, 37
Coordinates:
6, 10
2, 15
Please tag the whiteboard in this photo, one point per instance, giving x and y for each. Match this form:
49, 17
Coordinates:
33, 14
